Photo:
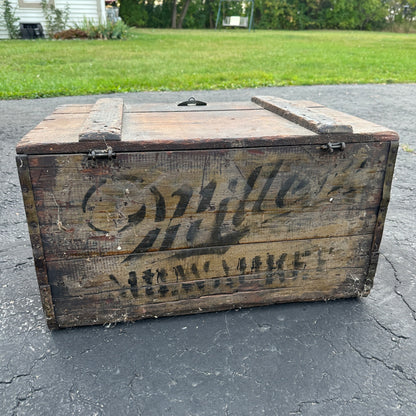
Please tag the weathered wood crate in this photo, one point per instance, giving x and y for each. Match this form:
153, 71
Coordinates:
139, 211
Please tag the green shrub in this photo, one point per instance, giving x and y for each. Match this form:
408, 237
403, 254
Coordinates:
11, 20
56, 19
108, 30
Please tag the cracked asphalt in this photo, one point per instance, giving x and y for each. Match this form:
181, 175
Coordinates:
346, 357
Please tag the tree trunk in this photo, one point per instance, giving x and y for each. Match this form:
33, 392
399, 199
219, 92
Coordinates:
174, 14
183, 13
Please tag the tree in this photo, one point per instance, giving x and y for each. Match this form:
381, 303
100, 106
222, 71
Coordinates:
133, 12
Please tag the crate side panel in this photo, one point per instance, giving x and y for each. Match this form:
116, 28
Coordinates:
138, 202
112, 289
35, 239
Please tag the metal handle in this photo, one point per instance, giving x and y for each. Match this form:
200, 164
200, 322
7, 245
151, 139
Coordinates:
330, 147
191, 101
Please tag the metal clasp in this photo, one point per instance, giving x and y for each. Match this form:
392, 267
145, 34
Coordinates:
191, 101
330, 147
102, 153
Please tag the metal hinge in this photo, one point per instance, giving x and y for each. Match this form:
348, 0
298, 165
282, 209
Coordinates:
330, 147
101, 153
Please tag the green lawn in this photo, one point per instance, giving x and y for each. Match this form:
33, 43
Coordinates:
194, 59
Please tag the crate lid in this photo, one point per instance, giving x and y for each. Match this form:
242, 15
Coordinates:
265, 121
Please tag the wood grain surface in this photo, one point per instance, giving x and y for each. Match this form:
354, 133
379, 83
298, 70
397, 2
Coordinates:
163, 227
202, 209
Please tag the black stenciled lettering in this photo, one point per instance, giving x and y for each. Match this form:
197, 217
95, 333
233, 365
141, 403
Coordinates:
230, 238
256, 264
135, 218
242, 265
133, 284
144, 245
149, 291
206, 266
186, 286
193, 231
321, 261
163, 290
206, 196
270, 262
301, 185
170, 236
160, 204
297, 263
114, 279
232, 185
90, 193
266, 187
283, 191
85, 200
279, 264
281, 261
200, 284
185, 193
195, 271
148, 276
179, 272
225, 268
161, 275
239, 214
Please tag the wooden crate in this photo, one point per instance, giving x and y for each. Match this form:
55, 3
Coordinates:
139, 211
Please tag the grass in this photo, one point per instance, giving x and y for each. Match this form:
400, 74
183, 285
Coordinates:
195, 59
407, 148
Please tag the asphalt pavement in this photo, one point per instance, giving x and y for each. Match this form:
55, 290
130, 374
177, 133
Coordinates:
346, 357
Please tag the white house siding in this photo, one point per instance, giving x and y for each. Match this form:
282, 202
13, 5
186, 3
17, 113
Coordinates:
78, 10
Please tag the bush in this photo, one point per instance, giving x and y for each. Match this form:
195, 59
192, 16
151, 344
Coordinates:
109, 30
71, 34
56, 19
11, 20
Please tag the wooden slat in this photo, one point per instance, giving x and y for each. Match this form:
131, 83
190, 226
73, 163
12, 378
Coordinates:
214, 106
119, 306
154, 127
207, 198
308, 116
74, 109
35, 239
64, 242
381, 217
104, 121
206, 125
79, 277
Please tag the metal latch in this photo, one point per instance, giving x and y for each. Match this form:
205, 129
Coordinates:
330, 147
191, 101
102, 154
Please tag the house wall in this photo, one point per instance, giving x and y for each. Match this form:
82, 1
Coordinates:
29, 11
